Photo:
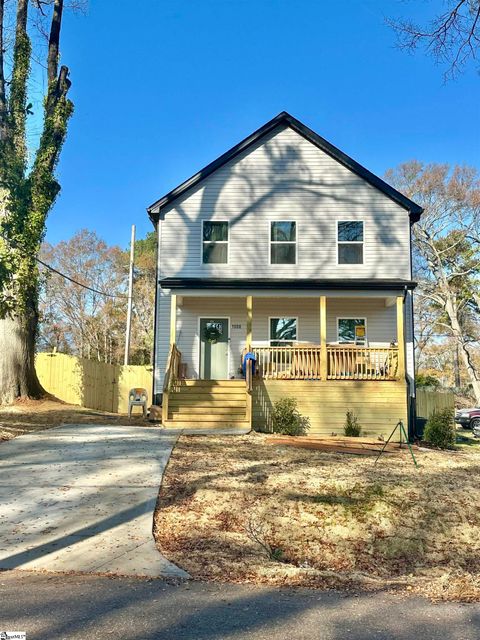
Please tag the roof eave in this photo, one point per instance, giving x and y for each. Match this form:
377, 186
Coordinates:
372, 284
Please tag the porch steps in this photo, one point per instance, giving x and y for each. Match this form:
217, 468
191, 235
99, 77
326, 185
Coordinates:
208, 404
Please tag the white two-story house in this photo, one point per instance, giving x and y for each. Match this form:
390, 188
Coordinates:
286, 248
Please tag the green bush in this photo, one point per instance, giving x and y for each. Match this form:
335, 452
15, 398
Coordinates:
351, 427
286, 418
440, 429
426, 380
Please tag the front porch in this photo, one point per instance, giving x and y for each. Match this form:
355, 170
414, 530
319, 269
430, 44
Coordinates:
357, 360
293, 338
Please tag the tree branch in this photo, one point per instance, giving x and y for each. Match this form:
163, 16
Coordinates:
18, 88
54, 41
451, 37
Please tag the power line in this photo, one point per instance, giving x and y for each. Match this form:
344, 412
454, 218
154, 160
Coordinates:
85, 286
63, 275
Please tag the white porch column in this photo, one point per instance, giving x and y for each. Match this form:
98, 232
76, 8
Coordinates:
173, 318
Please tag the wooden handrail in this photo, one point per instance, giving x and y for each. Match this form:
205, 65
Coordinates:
171, 376
173, 368
249, 375
249, 389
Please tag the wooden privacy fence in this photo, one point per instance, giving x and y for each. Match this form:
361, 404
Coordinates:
430, 399
90, 383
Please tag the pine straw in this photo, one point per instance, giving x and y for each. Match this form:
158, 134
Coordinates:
241, 510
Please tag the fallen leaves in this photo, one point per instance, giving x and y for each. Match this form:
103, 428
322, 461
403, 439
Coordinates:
321, 519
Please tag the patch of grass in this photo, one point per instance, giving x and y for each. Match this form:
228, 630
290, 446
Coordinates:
467, 440
332, 499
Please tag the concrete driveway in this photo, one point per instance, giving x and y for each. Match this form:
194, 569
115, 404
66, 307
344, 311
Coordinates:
81, 498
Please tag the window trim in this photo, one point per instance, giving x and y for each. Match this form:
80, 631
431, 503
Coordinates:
227, 242
362, 242
270, 242
351, 318
277, 317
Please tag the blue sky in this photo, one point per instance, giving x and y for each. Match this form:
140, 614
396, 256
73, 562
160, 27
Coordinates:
162, 88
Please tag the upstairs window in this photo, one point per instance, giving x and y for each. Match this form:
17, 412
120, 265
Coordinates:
283, 242
214, 242
350, 242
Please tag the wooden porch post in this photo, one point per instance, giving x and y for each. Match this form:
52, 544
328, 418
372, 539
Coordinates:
400, 338
248, 338
168, 374
323, 338
248, 346
173, 319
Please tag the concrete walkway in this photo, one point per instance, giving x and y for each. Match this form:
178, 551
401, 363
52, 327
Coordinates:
81, 498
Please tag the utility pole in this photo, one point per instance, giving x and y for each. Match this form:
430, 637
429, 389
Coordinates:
130, 296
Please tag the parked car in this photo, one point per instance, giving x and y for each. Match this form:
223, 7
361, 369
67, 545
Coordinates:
469, 419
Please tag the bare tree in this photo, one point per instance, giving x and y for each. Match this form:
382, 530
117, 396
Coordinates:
91, 323
452, 36
447, 252
88, 322
28, 187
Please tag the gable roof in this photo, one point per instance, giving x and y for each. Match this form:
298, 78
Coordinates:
287, 120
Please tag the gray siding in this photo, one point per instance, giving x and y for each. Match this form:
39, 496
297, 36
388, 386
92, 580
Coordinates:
285, 177
282, 177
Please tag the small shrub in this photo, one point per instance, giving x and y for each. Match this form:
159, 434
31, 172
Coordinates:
426, 380
287, 420
440, 429
351, 427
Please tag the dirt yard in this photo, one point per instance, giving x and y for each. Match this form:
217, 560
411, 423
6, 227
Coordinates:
240, 509
36, 415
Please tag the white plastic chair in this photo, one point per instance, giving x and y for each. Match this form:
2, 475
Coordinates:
137, 397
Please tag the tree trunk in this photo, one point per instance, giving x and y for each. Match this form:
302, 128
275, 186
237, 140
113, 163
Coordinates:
17, 364
456, 362
451, 309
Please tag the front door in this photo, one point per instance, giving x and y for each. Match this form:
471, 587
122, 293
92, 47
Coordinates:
214, 348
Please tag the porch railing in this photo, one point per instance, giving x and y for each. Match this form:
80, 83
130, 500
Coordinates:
173, 368
172, 374
288, 363
345, 362
248, 389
